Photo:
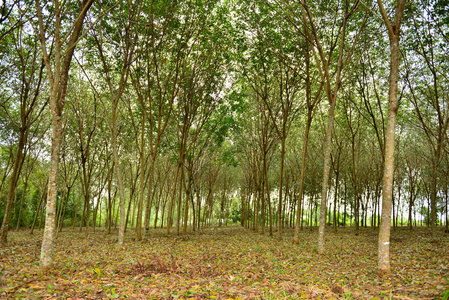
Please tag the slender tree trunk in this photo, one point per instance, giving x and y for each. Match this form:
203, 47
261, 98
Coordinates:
61, 223
172, 200
193, 215
433, 192
178, 219
118, 173
41, 200
336, 220
142, 180
84, 209
146, 224
198, 203
188, 196
447, 196
163, 213
109, 208
75, 212
41, 217
281, 183
387, 190
21, 202
158, 204
128, 211
58, 78
326, 172
269, 205
302, 177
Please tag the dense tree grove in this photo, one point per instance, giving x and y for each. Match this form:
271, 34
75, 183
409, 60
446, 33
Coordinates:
188, 114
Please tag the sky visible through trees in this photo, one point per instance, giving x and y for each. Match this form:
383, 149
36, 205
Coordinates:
279, 116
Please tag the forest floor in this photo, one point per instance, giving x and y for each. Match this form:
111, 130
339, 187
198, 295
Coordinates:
227, 262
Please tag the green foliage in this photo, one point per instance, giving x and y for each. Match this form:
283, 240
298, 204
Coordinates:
235, 212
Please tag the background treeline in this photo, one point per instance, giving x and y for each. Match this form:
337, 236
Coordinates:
198, 113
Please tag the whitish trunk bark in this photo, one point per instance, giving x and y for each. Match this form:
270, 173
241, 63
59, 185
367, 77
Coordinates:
326, 171
387, 190
46, 260
58, 78
121, 231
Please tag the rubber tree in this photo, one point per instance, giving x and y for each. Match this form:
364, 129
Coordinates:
122, 44
394, 32
57, 62
331, 68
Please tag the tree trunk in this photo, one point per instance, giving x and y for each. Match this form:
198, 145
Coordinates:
270, 213
326, 172
142, 180
172, 200
41, 200
336, 220
433, 193
58, 79
21, 202
178, 219
387, 190
49, 233
188, 195
61, 223
121, 232
302, 177
281, 183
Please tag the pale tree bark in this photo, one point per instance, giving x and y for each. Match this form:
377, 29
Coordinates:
324, 69
57, 71
331, 80
118, 173
326, 172
387, 190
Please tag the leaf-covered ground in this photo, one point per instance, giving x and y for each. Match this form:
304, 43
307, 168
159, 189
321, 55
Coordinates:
225, 263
